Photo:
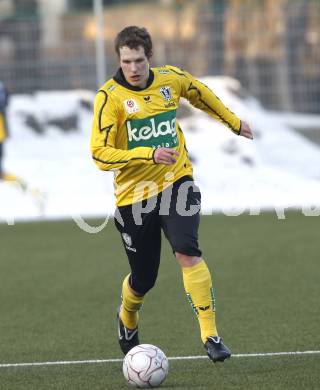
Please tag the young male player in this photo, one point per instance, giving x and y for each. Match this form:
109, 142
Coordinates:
136, 134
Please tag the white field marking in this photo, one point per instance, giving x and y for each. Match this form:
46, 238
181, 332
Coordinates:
239, 355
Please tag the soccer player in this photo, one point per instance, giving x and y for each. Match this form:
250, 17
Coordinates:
135, 134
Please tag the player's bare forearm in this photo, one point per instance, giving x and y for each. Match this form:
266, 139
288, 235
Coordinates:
165, 156
245, 130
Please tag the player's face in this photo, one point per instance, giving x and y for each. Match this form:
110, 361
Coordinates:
135, 66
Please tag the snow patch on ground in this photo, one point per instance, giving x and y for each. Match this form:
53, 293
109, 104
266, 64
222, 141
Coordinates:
279, 169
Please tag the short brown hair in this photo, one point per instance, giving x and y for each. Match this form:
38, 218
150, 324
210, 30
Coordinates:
133, 37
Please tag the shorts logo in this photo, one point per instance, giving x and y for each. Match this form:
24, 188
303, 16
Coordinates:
128, 242
131, 106
165, 92
127, 239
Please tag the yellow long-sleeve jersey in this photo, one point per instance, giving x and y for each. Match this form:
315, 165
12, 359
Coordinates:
130, 123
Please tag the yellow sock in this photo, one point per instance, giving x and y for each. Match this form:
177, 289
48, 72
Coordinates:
198, 286
10, 177
131, 303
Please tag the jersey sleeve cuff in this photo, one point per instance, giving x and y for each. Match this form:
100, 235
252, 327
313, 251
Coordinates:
235, 130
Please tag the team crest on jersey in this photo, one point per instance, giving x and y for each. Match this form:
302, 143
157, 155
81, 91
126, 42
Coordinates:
166, 93
131, 106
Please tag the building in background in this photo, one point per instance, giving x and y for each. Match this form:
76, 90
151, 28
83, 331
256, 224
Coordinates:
272, 47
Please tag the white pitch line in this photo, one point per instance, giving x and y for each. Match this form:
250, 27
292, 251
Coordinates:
70, 362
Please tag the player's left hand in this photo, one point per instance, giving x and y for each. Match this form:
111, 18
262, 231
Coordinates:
245, 130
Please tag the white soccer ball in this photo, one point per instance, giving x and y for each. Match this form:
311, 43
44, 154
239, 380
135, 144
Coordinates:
145, 366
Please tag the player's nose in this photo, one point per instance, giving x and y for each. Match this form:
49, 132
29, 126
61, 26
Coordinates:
133, 67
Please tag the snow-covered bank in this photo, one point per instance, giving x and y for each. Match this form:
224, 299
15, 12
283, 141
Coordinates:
278, 169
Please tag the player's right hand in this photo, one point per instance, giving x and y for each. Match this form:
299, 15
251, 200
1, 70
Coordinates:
165, 156
245, 130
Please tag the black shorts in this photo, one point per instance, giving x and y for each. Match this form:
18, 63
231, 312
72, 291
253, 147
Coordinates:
176, 211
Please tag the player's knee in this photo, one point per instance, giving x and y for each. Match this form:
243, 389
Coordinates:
186, 260
185, 249
184, 246
142, 286
145, 287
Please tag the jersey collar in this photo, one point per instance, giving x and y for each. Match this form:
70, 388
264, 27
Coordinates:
120, 79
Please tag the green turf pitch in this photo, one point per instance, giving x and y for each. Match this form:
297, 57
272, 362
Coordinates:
60, 287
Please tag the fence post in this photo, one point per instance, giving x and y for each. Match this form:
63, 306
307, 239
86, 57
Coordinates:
101, 67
